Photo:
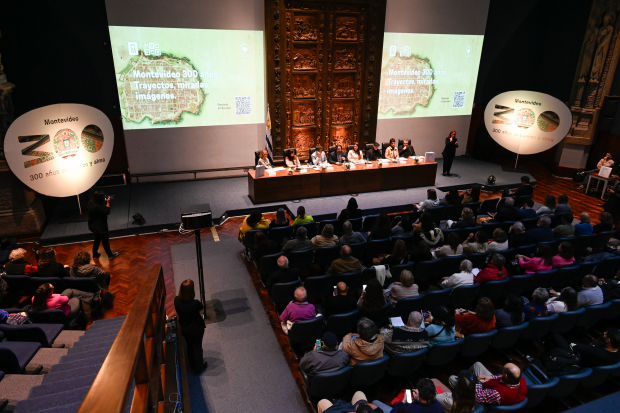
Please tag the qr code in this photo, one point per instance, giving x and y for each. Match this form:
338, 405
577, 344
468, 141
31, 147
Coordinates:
459, 100
243, 105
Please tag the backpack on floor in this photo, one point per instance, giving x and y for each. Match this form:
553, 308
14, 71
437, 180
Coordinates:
560, 361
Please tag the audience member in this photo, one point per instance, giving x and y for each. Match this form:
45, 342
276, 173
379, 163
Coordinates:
424, 399
253, 221
429, 234
606, 224
462, 399
467, 219
565, 301
346, 262
441, 328
500, 241
473, 195
84, 266
526, 210
297, 310
524, 189
431, 200
18, 265
190, 312
566, 228
563, 207
302, 218
494, 270
365, 345
327, 357
300, 243
408, 338
68, 301
603, 353
479, 245
263, 246
372, 298
48, 267
542, 261
326, 239
508, 212
518, 237
381, 229
283, 275
612, 204
358, 404
542, 233
421, 252
350, 237
584, 227
405, 288
398, 257
465, 277
538, 306
566, 255
340, 302
452, 198
451, 248
404, 227
548, 208
481, 321
281, 220
512, 313
506, 389
351, 211
591, 293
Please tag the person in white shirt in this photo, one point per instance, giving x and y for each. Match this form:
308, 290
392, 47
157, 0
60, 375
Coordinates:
500, 241
591, 294
465, 277
264, 159
319, 157
430, 202
291, 159
565, 301
391, 152
606, 161
355, 154
453, 247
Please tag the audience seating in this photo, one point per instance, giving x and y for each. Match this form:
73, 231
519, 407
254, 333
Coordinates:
44, 334
493, 289
566, 321
19, 285
539, 327
425, 270
369, 222
538, 385
600, 240
278, 234
436, 213
434, 299
443, 353
450, 265
58, 283
405, 306
283, 293
15, 355
489, 227
463, 296
342, 324
56, 317
352, 279
607, 267
564, 277
517, 284
407, 238
310, 227
569, 383
358, 250
306, 331
324, 256
396, 270
379, 316
581, 243
592, 315
475, 344
507, 337
530, 223
319, 286
248, 239
540, 279
367, 373
323, 385
489, 205
600, 374
506, 408
300, 259
356, 224
334, 222
268, 264
374, 248
403, 364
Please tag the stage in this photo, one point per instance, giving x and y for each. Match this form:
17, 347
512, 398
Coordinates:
161, 203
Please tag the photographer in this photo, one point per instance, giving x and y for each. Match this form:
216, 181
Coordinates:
98, 211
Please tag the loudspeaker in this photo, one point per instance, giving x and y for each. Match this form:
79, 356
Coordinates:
196, 217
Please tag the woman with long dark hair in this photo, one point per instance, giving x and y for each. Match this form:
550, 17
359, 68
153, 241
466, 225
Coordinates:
68, 301
566, 255
190, 311
462, 399
350, 212
48, 267
84, 267
398, 256
291, 159
565, 301
372, 298
441, 327
355, 154
263, 246
542, 261
280, 221
98, 211
382, 228
511, 314
449, 152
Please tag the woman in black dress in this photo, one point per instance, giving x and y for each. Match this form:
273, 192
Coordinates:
192, 324
449, 152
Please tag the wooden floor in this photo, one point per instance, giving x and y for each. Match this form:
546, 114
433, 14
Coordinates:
139, 253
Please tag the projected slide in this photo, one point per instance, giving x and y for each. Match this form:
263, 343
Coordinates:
425, 75
188, 77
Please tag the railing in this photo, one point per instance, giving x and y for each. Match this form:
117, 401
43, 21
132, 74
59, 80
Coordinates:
140, 358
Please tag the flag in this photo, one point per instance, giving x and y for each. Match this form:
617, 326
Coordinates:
268, 145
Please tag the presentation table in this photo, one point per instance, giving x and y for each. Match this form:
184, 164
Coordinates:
364, 178
606, 180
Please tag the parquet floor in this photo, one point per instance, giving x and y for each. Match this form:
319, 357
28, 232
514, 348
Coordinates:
139, 253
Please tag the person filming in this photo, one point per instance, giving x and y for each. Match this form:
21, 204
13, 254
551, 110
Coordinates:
98, 211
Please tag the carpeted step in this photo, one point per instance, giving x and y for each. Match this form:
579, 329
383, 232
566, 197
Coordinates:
104, 346
93, 361
82, 355
75, 374
68, 384
109, 321
97, 335
68, 337
15, 387
58, 399
67, 408
47, 357
104, 340
116, 326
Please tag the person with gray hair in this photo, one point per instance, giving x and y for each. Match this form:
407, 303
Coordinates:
297, 310
364, 345
538, 306
283, 275
350, 237
465, 277
299, 243
508, 212
542, 233
406, 339
584, 227
518, 237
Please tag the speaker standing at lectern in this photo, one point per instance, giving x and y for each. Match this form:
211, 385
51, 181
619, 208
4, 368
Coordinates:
449, 152
98, 211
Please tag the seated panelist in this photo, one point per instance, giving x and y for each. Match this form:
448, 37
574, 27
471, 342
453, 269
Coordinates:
391, 152
337, 156
318, 157
374, 154
291, 159
355, 154
405, 150
264, 159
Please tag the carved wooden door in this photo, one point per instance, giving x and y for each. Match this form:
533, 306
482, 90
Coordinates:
323, 62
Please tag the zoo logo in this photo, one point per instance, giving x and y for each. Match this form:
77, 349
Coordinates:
548, 121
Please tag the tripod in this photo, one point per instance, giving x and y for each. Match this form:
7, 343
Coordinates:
201, 277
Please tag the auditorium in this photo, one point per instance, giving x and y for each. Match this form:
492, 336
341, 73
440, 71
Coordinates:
309, 206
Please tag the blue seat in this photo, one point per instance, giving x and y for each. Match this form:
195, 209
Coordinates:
613, 311
358, 250
564, 277
367, 373
436, 213
268, 264
489, 227
517, 284
356, 224
376, 247
592, 315
300, 259
335, 223
538, 385
463, 295
508, 254
15, 355
369, 222
248, 239
283, 293
378, 316
342, 324
448, 231
489, 205
569, 383
306, 331
526, 250
44, 334
434, 299
310, 227
408, 239
464, 232
58, 283
600, 374
479, 409
540, 279
425, 270
539, 327
352, 279
474, 206
55, 316
478, 259
607, 267
520, 201
452, 212
566, 321
395, 270
600, 240
507, 337
404, 364
405, 306
493, 289
582, 242
530, 223
443, 353
324, 256
451, 265
368, 274
328, 384
506, 408
506, 226
319, 286
476, 344
278, 234
585, 268
82, 284
19, 285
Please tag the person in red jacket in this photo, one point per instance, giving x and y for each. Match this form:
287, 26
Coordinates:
506, 389
494, 270
481, 321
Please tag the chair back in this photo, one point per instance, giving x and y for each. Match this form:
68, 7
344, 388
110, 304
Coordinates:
520, 201
478, 259
283, 293
493, 289
367, 373
476, 344
268, 264
582, 242
517, 284
405, 306
369, 222
539, 327
530, 223
300, 259
538, 385
489, 205
526, 250
324, 256
356, 223
404, 364
352, 279
31, 333
592, 315
564, 277
464, 232
58, 283
556, 219
377, 247
586, 268
306, 331
474, 206
507, 337
464, 295
19, 285
506, 226
82, 284
368, 274
278, 234
8, 362
614, 310
55, 316
540, 279
452, 212
600, 374
425, 270
435, 299
489, 227
502, 203
508, 254
248, 239
441, 354
342, 324
607, 267
436, 213
358, 250
407, 238
335, 223
329, 384
601, 239
506, 408
569, 383
378, 316
319, 286
451, 265
396, 270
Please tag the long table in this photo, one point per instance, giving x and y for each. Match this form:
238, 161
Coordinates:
364, 178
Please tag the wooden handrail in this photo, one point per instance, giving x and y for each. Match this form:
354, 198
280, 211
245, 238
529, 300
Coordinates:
135, 357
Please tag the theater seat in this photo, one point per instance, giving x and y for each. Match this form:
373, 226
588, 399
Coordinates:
476, 344
538, 385
463, 296
55, 316
342, 324
378, 316
443, 353
600, 374
539, 327
15, 355
306, 331
508, 336
506, 408
44, 334
566, 321
404, 364
569, 383
319, 286
367, 373
325, 385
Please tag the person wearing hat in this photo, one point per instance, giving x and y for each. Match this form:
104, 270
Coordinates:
374, 153
325, 358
